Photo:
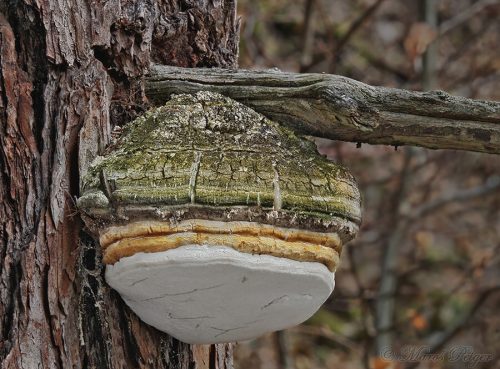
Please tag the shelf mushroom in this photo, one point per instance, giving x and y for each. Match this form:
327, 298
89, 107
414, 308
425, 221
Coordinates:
217, 224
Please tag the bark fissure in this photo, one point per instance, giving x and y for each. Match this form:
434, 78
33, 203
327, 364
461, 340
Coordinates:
69, 72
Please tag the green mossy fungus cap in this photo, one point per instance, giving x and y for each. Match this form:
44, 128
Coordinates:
207, 156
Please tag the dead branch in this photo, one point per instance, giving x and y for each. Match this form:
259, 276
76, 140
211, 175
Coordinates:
440, 341
491, 185
307, 35
465, 15
353, 28
385, 303
343, 109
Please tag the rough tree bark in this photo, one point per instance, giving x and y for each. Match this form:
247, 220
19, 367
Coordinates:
69, 72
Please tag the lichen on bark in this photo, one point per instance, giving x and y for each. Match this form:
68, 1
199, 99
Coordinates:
207, 151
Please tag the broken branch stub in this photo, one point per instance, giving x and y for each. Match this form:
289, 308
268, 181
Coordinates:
340, 108
216, 223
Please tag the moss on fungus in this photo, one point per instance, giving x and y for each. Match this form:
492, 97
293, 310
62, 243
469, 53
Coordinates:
208, 150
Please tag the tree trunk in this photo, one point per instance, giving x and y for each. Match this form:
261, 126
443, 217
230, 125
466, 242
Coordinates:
69, 72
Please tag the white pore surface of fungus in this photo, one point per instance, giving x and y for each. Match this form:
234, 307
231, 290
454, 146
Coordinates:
211, 294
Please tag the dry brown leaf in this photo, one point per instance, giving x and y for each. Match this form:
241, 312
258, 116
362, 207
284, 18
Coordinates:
418, 39
382, 363
417, 320
424, 240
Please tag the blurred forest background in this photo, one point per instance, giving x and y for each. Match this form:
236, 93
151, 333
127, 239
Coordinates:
425, 268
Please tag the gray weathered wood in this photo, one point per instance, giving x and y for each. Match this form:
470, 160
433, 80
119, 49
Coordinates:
340, 108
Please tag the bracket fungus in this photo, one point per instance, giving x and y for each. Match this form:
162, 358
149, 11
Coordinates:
217, 224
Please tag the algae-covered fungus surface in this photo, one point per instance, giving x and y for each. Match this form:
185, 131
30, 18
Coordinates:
216, 223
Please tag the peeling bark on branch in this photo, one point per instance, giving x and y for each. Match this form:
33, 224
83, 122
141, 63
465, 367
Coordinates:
340, 108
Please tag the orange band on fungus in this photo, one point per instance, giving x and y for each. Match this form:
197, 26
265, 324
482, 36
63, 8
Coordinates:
248, 237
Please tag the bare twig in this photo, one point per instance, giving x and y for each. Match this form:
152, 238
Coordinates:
469, 40
365, 306
246, 35
491, 185
430, 55
440, 341
325, 333
464, 15
351, 31
340, 108
307, 35
284, 359
379, 62
465, 277
386, 299
385, 303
